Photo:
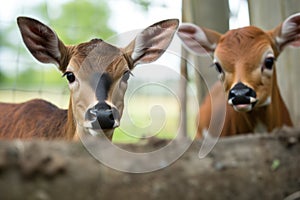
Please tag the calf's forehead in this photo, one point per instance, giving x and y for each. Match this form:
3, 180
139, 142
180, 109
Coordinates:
96, 56
246, 44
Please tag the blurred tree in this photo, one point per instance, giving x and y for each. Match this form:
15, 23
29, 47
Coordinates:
146, 4
76, 20
82, 20
2, 77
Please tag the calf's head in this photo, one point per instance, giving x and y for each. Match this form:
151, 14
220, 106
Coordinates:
244, 58
97, 72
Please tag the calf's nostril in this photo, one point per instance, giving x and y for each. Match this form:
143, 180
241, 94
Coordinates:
105, 119
111, 116
91, 114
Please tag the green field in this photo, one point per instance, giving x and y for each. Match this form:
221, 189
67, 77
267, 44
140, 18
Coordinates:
143, 116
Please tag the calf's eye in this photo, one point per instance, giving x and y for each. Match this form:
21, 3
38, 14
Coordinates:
70, 76
218, 67
126, 76
269, 62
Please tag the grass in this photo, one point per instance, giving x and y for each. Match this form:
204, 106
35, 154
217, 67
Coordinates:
59, 99
146, 117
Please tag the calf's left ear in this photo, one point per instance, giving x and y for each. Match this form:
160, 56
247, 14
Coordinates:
288, 33
152, 42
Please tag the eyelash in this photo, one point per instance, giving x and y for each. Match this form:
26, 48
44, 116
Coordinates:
126, 76
218, 67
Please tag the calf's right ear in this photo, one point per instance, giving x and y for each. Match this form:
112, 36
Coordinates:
199, 41
43, 43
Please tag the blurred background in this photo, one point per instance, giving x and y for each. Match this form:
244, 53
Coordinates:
153, 97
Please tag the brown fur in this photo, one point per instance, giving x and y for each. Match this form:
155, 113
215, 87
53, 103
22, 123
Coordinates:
37, 117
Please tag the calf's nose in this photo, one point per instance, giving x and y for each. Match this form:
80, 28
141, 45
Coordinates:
102, 116
241, 94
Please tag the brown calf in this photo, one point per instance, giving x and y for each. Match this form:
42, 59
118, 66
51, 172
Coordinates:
97, 73
245, 60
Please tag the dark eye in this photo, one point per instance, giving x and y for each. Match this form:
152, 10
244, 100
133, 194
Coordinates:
70, 76
218, 67
126, 76
269, 62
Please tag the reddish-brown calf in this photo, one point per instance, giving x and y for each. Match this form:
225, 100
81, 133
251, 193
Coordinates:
245, 60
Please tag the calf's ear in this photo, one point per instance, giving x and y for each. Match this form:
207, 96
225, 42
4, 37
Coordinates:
152, 42
197, 40
287, 33
43, 43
